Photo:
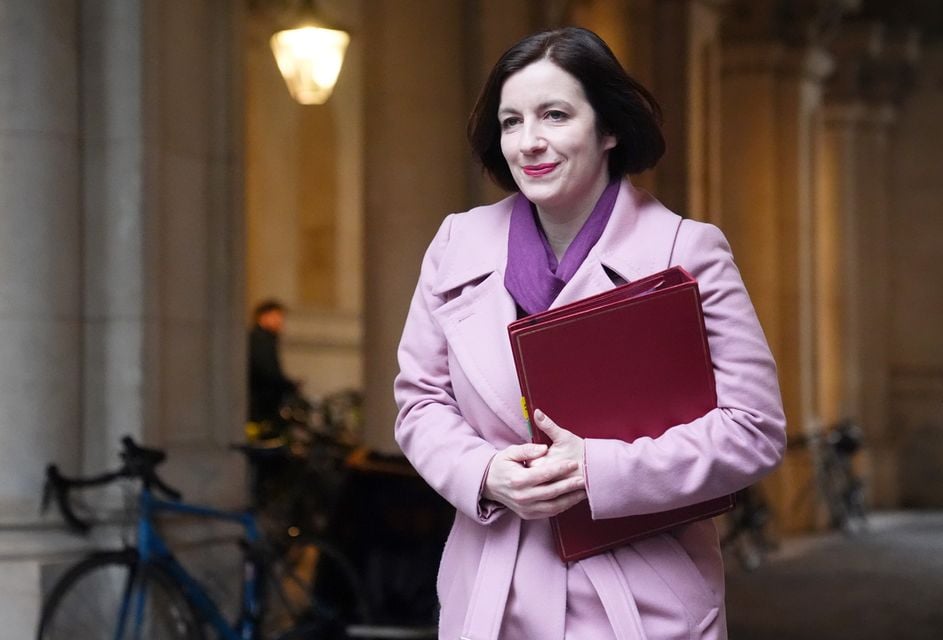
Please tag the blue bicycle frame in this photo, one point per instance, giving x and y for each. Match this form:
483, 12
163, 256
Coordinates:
153, 550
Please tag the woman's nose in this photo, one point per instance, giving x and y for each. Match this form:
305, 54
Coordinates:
531, 138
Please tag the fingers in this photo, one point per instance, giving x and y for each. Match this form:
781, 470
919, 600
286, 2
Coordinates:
539, 482
540, 493
550, 508
535, 480
543, 471
556, 433
548, 426
552, 491
564, 444
525, 452
524, 488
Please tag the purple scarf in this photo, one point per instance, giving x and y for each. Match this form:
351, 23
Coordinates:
533, 277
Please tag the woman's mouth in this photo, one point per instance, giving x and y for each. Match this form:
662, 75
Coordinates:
540, 169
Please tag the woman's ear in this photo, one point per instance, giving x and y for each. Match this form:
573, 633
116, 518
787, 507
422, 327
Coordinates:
609, 141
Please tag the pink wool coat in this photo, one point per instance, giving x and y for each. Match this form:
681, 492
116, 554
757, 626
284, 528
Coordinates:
459, 403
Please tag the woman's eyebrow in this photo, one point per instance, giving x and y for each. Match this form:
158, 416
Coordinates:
556, 102
547, 104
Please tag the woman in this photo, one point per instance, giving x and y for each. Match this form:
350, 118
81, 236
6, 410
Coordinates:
561, 123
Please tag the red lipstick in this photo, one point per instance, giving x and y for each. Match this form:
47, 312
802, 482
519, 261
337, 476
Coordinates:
540, 169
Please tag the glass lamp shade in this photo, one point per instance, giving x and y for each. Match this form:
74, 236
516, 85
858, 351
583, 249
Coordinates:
310, 58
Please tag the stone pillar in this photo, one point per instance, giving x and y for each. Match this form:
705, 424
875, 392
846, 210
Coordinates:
41, 283
853, 244
120, 253
842, 199
772, 94
164, 336
875, 71
837, 230
901, 346
687, 84
116, 299
871, 304
415, 173
40, 249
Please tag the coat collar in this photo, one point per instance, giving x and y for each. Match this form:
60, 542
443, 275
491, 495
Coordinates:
478, 245
640, 236
638, 241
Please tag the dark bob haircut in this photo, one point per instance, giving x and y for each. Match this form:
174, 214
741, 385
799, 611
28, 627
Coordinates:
624, 108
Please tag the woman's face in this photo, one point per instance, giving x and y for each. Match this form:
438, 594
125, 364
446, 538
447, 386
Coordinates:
550, 140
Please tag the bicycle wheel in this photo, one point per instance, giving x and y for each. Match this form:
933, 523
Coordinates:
313, 591
854, 501
97, 600
829, 485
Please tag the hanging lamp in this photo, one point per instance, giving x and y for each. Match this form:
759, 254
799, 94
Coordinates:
310, 55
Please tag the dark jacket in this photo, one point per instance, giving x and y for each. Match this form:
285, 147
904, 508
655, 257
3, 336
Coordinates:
268, 385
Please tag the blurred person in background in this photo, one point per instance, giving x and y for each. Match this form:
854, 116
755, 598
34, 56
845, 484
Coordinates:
269, 387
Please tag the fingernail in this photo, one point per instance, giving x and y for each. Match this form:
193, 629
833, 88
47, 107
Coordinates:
539, 415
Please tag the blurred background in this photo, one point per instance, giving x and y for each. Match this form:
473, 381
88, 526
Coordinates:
158, 178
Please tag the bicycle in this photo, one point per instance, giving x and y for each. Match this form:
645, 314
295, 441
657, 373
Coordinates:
838, 486
747, 535
142, 591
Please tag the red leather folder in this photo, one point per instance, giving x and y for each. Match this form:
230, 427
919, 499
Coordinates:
627, 363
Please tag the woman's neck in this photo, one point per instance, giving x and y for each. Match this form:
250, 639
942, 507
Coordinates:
561, 226
561, 233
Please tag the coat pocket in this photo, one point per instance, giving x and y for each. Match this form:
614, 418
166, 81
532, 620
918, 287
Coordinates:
668, 580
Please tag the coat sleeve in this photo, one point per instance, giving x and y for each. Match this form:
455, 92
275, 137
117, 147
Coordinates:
731, 446
430, 429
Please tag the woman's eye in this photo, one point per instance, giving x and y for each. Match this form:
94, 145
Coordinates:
555, 115
509, 122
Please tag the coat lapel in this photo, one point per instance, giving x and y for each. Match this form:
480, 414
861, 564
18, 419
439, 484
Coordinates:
476, 330
475, 321
638, 241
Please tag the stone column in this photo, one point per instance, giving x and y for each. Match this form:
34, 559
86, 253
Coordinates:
856, 302
40, 249
854, 317
888, 282
870, 304
772, 94
164, 358
415, 173
115, 262
687, 85
839, 231
120, 254
40, 282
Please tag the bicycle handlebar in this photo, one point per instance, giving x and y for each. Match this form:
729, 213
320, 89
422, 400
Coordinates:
138, 463
141, 462
844, 437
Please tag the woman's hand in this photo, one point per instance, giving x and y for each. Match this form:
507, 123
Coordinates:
565, 445
535, 481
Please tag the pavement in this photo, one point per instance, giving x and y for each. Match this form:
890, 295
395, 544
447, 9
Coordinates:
885, 583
